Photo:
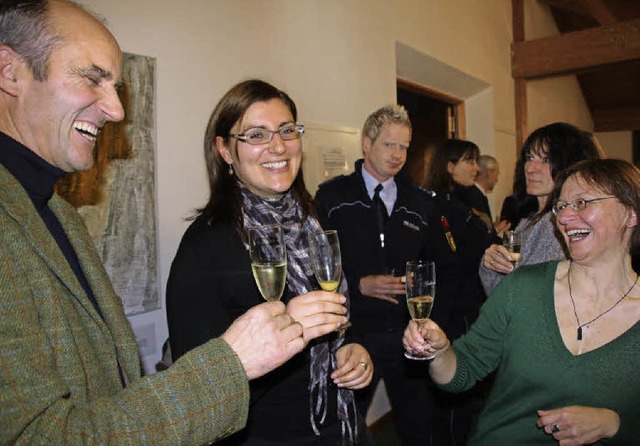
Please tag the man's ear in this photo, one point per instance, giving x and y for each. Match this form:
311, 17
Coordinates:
10, 64
222, 148
366, 144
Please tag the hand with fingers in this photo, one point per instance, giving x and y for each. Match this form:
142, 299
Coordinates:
264, 338
319, 312
426, 342
497, 258
432, 342
579, 425
382, 287
355, 369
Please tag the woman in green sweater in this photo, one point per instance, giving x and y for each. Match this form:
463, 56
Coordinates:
563, 336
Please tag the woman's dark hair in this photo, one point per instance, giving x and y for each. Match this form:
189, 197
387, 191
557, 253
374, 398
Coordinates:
562, 144
225, 202
613, 177
452, 150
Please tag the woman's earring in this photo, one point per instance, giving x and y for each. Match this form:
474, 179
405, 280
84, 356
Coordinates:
231, 169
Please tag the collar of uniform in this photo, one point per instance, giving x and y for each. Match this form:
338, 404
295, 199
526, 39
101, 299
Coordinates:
389, 192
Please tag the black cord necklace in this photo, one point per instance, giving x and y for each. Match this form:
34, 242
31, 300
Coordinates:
601, 314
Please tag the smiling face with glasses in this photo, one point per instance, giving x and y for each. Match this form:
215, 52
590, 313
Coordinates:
265, 148
592, 222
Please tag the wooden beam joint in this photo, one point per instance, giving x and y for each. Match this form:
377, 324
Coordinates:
577, 51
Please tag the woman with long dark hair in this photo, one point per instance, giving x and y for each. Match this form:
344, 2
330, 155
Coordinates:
253, 153
545, 153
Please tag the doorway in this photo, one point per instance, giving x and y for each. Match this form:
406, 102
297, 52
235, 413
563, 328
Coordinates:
434, 117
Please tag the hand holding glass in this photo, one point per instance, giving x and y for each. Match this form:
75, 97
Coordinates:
268, 254
420, 284
511, 241
324, 250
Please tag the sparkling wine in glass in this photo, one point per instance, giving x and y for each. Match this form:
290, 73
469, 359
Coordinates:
324, 250
420, 284
268, 254
511, 241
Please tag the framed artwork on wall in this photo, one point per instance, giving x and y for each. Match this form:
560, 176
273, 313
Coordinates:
117, 196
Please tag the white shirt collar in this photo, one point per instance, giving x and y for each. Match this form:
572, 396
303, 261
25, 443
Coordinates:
388, 194
481, 189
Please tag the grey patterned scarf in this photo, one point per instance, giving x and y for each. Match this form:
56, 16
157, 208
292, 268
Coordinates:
287, 212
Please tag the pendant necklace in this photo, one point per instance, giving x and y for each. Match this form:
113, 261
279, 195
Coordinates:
579, 334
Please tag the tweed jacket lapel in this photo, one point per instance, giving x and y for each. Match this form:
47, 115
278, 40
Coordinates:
16, 203
110, 304
12, 199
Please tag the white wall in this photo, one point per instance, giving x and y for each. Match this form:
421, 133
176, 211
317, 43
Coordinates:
617, 144
336, 58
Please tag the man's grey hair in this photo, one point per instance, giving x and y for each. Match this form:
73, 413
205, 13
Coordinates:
25, 26
486, 163
389, 114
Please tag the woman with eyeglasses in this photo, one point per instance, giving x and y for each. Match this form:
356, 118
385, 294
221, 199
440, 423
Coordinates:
253, 153
546, 152
563, 335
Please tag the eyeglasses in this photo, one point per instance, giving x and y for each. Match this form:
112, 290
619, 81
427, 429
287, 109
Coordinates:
577, 205
257, 136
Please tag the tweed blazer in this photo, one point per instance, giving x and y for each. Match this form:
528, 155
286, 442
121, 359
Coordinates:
59, 379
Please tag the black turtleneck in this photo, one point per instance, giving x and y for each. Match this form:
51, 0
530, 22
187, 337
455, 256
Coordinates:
38, 178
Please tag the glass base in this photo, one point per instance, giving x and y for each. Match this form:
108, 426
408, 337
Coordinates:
418, 358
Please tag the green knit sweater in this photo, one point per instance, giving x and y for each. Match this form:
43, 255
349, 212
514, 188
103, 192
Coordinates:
517, 334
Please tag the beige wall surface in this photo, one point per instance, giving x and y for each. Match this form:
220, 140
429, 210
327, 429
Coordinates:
336, 58
617, 144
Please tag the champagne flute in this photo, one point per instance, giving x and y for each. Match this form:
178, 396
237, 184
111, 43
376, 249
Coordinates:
420, 284
268, 254
511, 241
326, 261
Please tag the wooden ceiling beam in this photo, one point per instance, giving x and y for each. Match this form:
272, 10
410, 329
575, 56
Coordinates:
620, 119
567, 5
600, 11
572, 52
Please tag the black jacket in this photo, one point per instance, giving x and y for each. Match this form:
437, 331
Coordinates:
210, 285
471, 240
474, 198
414, 231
